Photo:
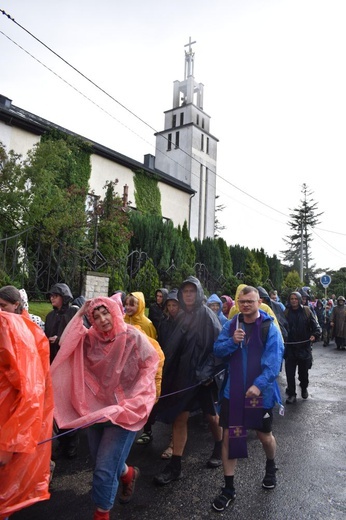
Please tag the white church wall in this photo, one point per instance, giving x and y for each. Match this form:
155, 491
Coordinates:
16, 139
174, 204
103, 170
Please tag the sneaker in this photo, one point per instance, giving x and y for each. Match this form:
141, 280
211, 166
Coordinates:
305, 393
101, 515
127, 490
168, 475
269, 481
222, 501
214, 461
291, 399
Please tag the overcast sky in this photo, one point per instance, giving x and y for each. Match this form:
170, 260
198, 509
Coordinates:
274, 85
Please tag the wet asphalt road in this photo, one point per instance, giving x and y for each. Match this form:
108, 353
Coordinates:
311, 457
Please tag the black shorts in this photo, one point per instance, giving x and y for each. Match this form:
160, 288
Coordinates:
205, 399
267, 417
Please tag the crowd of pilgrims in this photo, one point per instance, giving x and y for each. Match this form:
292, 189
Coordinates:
104, 364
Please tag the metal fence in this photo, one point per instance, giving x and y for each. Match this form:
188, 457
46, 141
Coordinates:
26, 261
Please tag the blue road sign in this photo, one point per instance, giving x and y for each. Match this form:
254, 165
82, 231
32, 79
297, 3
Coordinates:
325, 280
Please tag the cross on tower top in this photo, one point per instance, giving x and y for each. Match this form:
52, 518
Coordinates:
189, 44
189, 59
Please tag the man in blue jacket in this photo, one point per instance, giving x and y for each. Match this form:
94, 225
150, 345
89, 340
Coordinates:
252, 345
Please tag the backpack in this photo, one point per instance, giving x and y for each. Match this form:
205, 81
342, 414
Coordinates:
265, 325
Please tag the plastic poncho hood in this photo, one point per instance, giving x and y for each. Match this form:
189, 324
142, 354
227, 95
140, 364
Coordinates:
139, 318
199, 296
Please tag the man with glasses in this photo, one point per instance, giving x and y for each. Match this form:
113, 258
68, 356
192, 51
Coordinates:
252, 345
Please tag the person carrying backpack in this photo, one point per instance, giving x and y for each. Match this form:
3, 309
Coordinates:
252, 345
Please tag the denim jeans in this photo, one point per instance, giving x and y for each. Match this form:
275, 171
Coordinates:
109, 447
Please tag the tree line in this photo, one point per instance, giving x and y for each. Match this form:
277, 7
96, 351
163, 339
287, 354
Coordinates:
47, 193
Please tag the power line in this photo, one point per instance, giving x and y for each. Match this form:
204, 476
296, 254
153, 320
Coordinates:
123, 106
130, 112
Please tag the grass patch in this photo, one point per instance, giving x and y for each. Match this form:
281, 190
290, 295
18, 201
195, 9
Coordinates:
41, 309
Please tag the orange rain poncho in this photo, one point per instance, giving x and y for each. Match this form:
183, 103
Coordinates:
26, 413
100, 377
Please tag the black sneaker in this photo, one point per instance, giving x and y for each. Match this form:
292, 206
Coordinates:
269, 481
168, 475
222, 501
291, 399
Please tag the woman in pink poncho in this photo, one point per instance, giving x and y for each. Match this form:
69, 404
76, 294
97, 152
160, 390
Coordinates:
105, 375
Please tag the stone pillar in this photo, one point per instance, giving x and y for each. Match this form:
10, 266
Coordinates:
95, 284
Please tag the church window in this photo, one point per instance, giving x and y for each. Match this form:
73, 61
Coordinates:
202, 142
207, 150
197, 119
202, 122
169, 144
181, 118
174, 121
177, 139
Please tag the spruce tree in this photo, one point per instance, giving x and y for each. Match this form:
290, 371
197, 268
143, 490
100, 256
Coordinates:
302, 220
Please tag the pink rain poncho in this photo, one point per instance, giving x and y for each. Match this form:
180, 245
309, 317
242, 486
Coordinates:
26, 413
100, 377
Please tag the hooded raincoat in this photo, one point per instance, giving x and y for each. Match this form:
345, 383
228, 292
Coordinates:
271, 359
140, 318
189, 355
229, 303
111, 376
215, 299
57, 319
156, 311
26, 413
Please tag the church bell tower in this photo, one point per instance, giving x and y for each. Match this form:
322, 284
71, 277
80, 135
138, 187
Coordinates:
187, 151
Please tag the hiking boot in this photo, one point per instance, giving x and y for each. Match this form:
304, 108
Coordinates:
168, 475
291, 399
127, 489
269, 481
222, 501
305, 393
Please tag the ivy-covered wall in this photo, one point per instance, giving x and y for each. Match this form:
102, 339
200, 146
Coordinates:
147, 193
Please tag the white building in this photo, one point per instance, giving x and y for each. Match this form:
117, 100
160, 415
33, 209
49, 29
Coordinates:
185, 162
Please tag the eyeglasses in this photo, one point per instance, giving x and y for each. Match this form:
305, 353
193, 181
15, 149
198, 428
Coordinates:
247, 302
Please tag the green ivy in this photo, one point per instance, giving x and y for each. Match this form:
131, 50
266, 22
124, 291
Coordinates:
147, 193
79, 157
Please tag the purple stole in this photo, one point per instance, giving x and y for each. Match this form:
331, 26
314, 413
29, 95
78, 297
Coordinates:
244, 412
